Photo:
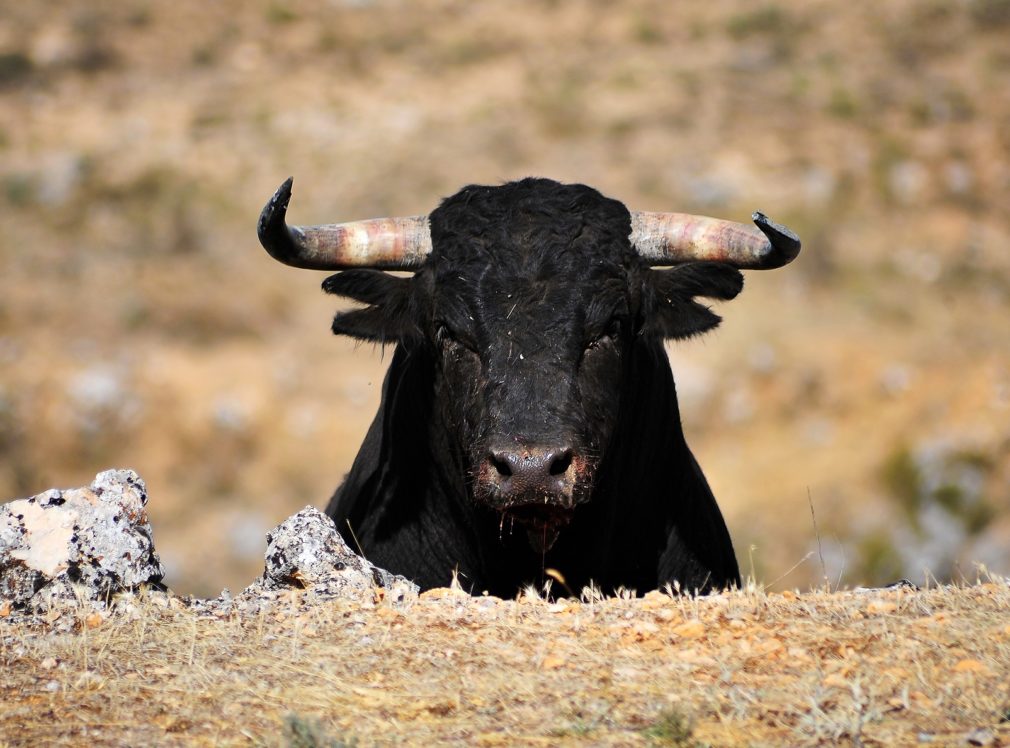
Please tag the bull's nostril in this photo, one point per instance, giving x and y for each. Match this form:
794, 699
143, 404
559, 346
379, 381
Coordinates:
500, 463
533, 468
561, 462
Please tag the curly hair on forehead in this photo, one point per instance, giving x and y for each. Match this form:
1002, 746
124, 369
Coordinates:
531, 220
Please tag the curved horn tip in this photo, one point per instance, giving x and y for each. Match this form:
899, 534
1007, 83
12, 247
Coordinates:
785, 242
281, 197
273, 231
284, 191
275, 210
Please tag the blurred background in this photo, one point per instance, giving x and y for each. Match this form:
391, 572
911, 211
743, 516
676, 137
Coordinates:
852, 413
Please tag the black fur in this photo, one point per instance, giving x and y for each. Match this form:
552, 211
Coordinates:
391, 315
673, 313
533, 328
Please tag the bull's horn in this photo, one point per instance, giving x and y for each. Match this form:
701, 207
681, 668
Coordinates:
671, 238
387, 243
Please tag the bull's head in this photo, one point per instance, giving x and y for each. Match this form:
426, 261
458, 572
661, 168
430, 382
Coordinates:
530, 298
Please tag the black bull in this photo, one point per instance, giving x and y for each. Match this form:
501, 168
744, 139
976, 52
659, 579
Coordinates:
529, 418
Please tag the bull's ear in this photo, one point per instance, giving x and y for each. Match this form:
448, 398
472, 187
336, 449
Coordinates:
390, 314
672, 311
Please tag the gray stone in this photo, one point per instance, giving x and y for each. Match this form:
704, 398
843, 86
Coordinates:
62, 548
86, 543
306, 552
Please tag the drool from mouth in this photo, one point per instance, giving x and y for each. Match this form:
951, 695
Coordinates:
542, 522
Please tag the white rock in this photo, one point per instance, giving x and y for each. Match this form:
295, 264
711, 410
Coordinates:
95, 541
306, 552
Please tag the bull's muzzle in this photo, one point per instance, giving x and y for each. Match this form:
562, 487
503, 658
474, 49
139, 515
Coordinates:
525, 475
534, 486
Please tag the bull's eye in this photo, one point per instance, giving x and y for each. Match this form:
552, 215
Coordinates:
444, 335
609, 335
447, 339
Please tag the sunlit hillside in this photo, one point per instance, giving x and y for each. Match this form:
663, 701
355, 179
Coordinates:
852, 413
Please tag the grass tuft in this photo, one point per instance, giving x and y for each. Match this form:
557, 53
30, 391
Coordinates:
672, 728
304, 732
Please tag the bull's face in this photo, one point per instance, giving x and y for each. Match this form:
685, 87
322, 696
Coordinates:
529, 304
530, 362
528, 300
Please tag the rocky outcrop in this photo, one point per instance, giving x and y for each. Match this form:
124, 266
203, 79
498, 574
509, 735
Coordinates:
91, 544
79, 543
306, 552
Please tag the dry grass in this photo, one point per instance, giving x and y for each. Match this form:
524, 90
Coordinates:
889, 667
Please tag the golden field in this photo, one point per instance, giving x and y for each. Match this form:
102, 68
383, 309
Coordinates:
852, 413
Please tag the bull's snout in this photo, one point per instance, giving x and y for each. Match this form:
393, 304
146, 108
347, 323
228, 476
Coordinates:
522, 475
536, 486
